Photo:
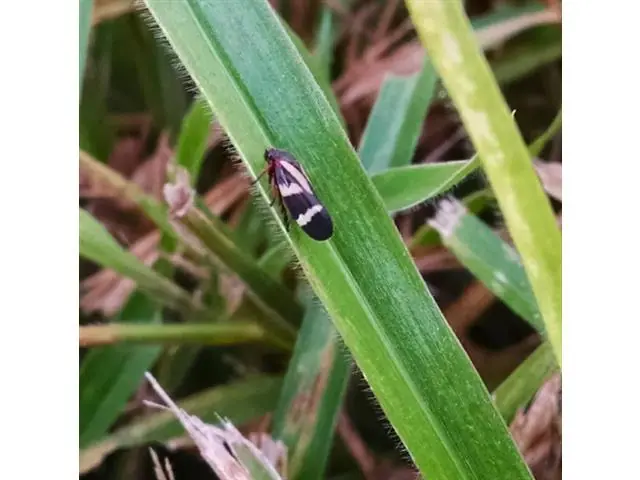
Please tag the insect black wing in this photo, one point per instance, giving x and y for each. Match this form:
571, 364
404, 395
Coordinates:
302, 204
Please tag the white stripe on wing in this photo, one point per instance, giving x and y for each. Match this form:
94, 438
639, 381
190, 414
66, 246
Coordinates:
297, 175
288, 190
306, 217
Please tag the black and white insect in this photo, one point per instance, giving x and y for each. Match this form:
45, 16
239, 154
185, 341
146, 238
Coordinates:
292, 188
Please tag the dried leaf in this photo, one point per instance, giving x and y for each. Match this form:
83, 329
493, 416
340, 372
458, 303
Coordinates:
550, 174
223, 448
538, 433
179, 195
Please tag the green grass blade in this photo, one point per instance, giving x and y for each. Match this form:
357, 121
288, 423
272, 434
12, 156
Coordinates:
395, 123
194, 135
265, 96
539, 143
213, 234
96, 135
159, 85
521, 60
317, 68
490, 259
240, 401
110, 375
152, 208
524, 382
404, 187
99, 246
447, 35
275, 260
476, 202
221, 333
86, 11
271, 296
189, 154
312, 394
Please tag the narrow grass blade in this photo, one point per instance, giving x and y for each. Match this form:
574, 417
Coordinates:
109, 375
275, 260
395, 123
404, 187
272, 297
213, 234
495, 28
239, 402
96, 135
488, 258
312, 394
159, 85
538, 145
427, 236
194, 135
99, 246
190, 150
265, 96
317, 68
447, 35
521, 60
86, 10
204, 334
251, 230
128, 190
524, 382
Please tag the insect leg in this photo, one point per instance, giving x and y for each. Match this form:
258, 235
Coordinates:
260, 175
285, 216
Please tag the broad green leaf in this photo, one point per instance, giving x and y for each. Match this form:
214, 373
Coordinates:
98, 245
86, 9
443, 28
404, 187
525, 381
489, 258
194, 135
239, 402
395, 123
312, 394
265, 96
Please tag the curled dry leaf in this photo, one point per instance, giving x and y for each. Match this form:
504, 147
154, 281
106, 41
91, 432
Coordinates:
179, 195
224, 447
538, 433
550, 174
363, 78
